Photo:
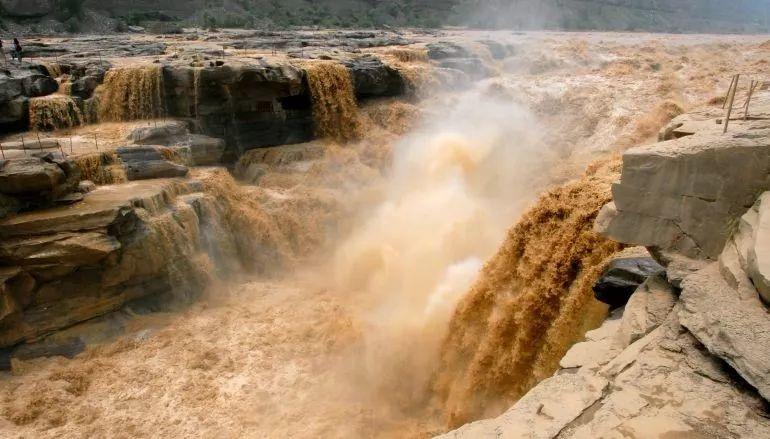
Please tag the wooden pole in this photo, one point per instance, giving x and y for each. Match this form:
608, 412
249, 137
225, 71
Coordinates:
730, 102
23, 145
727, 96
753, 86
96, 142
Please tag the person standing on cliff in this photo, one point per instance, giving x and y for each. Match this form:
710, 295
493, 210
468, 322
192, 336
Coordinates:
16, 52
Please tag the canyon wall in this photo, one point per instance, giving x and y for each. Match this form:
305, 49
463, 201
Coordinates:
686, 354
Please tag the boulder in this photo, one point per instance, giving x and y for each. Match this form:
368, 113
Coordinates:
599, 347
164, 133
684, 195
10, 88
144, 170
647, 309
72, 248
731, 327
373, 78
35, 83
205, 150
622, 277
32, 144
84, 87
473, 67
30, 176
148, 162
758, 254
14, 114
86, 186
541, 413
446, 49
85, 78
77, 262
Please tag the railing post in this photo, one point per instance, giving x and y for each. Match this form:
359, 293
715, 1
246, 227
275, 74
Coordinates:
727, 96
730, 102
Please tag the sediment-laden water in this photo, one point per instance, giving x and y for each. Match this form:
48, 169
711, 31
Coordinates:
423, 265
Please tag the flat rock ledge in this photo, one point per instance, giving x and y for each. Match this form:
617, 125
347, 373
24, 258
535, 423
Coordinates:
65, 265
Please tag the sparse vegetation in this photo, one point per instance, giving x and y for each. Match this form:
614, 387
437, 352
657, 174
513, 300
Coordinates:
626, 15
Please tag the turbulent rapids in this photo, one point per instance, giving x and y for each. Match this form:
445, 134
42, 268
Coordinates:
533, 300
390, 267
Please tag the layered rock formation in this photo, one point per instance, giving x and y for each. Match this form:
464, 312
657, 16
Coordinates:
248, 103
150, 242
686, 354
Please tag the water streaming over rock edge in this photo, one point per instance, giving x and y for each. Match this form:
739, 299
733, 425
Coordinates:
131, 93
101, 167
334, 101
533, 300
54, 112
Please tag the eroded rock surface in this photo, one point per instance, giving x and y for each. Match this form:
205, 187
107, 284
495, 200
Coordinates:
683, 195
66, 265
147, 162
664, 384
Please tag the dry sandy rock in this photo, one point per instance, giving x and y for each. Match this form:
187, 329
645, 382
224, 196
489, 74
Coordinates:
683, 195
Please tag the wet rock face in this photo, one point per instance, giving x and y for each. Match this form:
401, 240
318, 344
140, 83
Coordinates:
16, 87
454, 57
37, 181
148, 162
250, 106
166, 133
373, 78
445, 50
622, 277
13, 104
65, 265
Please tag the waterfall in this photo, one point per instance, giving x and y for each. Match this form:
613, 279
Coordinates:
53, 112
532, 301
334, 102
131, 93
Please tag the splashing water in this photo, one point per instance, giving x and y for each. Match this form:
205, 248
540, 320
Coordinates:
532, 301
455, 185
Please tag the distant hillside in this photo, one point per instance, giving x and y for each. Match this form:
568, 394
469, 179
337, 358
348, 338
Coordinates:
643, 15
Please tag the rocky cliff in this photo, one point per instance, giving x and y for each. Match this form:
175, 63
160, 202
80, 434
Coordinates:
249, 103
686, 354
651, 15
